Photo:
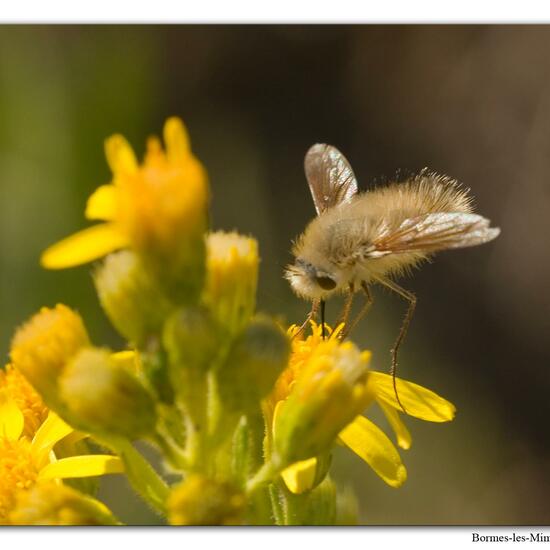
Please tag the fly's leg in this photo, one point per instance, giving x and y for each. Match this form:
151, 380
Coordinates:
362, 313
311, 315
411, 299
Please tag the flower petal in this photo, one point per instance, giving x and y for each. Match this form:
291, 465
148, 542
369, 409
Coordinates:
102, 204
120, 156
82, 247
300, 476
127, 359
52, 430
404, 439
369, 442
82, 466
176, 140
417, 400
12, 420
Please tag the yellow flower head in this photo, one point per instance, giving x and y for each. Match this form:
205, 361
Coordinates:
16, 387
51, 503
330, 388
26, 462
159, 209
42, 346
360, 434
232, 278
202, 501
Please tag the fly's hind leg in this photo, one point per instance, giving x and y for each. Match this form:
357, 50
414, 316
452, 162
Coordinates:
311, 315
411, 299
364, 310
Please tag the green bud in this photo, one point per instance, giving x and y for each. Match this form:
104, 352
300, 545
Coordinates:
130, 297
202, 501
190, 338
257, 357
44, 344
231, 279
55, 504
106, 396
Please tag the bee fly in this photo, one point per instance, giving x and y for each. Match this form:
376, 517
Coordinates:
360, 239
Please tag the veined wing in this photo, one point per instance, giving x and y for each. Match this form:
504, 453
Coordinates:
329, 175
431, 233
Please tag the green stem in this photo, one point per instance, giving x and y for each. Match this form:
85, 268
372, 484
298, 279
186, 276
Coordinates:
276, 505
263, 476
142, 476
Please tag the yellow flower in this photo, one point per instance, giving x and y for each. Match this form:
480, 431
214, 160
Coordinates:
361, 435
26, 462
329, 390
144, 206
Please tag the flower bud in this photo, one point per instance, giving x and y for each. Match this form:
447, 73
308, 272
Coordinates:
42, 347
232, 278
106, 396
330, 391
129, 296
202, 501
256, 359
56, 504
191, 339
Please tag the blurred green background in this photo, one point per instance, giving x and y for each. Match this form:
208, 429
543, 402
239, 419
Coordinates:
472, 102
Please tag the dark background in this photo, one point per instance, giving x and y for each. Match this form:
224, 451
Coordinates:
472, 102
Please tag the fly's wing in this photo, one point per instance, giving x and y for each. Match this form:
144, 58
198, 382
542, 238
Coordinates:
431, 233
329, 175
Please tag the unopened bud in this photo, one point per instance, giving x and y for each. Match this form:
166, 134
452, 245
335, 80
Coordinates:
256, 359
106, 396
232, 278
130, 297
191, 339
56, 504
202, 501
43, 345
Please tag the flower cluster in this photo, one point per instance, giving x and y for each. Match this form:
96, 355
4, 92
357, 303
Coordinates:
245, 413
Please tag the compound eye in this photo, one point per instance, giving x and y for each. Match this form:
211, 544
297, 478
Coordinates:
326, 283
